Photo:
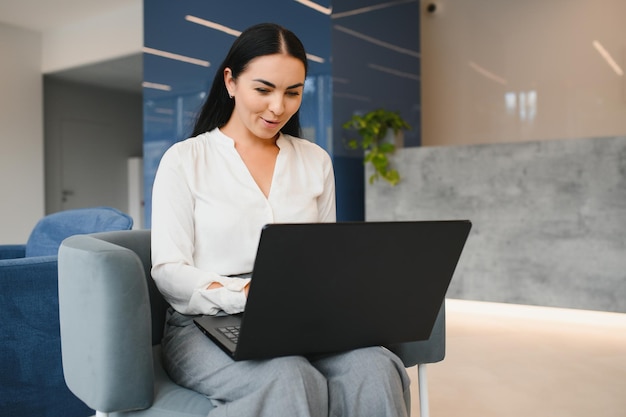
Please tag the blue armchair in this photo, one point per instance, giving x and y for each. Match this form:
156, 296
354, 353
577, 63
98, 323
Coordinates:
31, 374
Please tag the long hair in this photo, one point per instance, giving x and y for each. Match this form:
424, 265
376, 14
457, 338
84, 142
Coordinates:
258, 40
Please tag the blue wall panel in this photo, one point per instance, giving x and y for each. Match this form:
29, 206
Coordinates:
350, 47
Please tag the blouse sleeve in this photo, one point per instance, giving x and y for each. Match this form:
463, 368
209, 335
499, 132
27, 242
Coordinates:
326, 201
182, 284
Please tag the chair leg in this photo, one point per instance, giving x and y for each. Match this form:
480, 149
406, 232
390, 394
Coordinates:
423, 390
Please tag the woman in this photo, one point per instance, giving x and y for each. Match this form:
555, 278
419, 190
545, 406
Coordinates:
244, 167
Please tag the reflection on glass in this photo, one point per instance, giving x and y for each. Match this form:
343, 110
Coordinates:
524, 104
510, 102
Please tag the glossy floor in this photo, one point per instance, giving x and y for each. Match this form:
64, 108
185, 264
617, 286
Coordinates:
508, 360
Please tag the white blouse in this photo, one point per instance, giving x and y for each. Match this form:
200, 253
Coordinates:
207, 215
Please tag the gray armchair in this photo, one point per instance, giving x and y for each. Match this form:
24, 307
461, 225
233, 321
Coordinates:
112, 318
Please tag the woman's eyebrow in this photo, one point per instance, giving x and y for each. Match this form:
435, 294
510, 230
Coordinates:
269, 84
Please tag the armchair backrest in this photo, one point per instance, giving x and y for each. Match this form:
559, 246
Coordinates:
50, 231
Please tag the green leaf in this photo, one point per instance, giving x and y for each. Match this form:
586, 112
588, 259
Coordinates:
387, 147
372, 128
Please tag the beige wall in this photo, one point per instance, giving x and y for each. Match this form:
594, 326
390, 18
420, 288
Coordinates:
476, 53
21, 134
110, 35
26, 56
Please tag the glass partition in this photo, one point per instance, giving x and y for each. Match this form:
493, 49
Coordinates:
362, 55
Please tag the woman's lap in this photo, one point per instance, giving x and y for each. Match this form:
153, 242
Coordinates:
365, 377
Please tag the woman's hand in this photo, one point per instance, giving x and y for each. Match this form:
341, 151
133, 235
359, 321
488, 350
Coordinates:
215, 285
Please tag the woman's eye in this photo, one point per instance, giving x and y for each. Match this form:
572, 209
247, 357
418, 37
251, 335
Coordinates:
262, 90
293, 93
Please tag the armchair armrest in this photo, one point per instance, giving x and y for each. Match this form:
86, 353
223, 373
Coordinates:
426, 351
12, 251
105, 325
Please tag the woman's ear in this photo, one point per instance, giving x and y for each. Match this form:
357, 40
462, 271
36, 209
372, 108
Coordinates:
229, 82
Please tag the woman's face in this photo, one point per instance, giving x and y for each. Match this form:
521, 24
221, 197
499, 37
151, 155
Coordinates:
267, 93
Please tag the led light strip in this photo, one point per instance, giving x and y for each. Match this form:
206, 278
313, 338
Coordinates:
394, 72
608, 58
563, 315
176, 57
234, 32
212, 25
156, 86
487, 74
377, 41
369, 9
315, 6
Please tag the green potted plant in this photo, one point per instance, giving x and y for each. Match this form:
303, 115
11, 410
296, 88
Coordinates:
373, 128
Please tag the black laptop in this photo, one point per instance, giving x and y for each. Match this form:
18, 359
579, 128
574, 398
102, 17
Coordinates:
320, 288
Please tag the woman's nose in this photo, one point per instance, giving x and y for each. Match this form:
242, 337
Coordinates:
277, 104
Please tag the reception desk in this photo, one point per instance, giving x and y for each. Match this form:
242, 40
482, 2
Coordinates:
549, 218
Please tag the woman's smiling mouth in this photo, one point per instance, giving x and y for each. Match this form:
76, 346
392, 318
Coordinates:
271, 122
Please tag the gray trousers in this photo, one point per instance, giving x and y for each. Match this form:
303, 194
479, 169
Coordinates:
363, 382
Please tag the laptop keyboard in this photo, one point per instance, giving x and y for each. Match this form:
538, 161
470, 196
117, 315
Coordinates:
231, 332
